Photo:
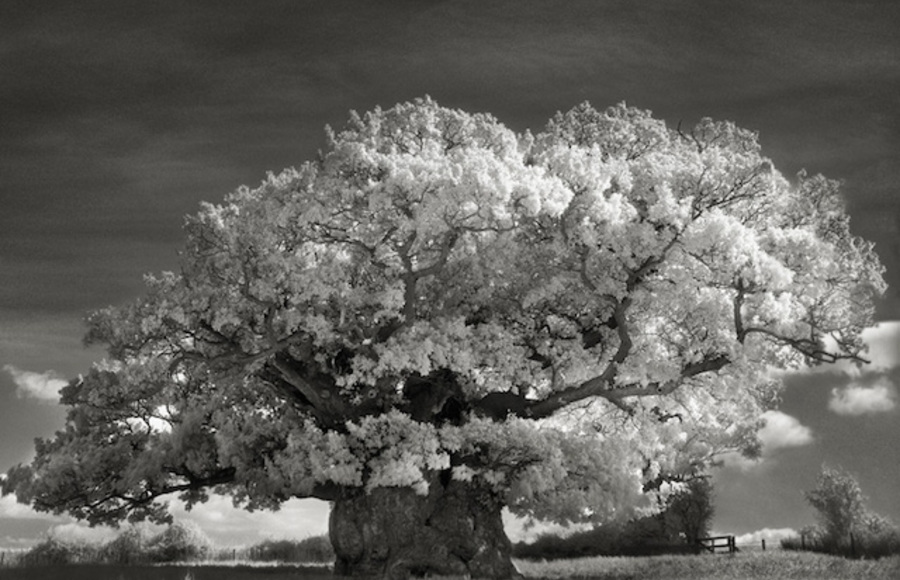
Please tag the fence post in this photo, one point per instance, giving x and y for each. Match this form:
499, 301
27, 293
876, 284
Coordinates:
764, 544
803, 542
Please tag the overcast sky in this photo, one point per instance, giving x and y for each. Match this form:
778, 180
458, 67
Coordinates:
117, 118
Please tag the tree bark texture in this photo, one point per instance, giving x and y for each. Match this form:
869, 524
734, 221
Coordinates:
394, 533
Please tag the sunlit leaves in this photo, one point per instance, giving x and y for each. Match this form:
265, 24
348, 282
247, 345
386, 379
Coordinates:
628, 286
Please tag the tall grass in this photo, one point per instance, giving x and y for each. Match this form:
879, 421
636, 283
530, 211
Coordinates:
769, 565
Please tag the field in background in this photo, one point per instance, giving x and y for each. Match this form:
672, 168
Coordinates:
770, 565
166, 572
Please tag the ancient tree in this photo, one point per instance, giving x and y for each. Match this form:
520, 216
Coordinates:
440, 318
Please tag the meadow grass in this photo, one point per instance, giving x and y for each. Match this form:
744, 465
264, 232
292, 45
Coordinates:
770, 565
165, 572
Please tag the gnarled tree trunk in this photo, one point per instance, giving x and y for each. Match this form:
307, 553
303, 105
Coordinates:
393, 533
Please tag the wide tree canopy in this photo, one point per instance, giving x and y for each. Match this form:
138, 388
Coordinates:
566, 321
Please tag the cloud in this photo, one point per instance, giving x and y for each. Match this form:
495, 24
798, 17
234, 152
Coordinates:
780, 431
13, 510
9, 543
230, 526
882, 352
856, 399
81, 533
770, 535
520, 529
882, 340
42, 386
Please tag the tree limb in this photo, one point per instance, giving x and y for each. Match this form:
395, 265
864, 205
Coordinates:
601, 386
330, 407
812, 349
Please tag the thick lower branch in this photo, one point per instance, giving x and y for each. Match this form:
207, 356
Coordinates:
327, 404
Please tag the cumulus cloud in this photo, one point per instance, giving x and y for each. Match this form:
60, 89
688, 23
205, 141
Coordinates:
9, 543
882, 341
230, 526
783, 430
31, 385
520, 529
857, 399
81, 533
772, 536
13, 510
780, 431
883, 352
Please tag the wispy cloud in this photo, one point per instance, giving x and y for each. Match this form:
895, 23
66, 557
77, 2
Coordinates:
31, 385
857, 399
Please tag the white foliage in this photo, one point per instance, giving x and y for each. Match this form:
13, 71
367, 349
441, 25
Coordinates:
659, 275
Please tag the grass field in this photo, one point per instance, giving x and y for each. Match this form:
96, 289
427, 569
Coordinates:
165, 572
771, 565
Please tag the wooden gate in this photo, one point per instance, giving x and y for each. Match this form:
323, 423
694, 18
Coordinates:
724, 544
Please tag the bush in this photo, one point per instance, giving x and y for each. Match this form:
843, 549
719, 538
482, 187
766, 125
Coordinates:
675, 530
316, 549
180, 542
811, 539
640, 537
878, 541
847, 528
55, 551
313, 549
129, 547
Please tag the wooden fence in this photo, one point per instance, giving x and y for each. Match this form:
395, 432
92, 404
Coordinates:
717, 544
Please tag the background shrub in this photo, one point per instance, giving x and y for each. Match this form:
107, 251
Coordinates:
685, 518
56, 551
180, 542
876, 542
129, 547
846, 527
313, 549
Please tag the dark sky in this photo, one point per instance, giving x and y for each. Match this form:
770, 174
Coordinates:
117, 118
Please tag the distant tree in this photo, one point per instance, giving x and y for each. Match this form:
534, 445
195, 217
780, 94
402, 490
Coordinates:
439, 318
689, 513
180, 542
840, 503
847, 525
